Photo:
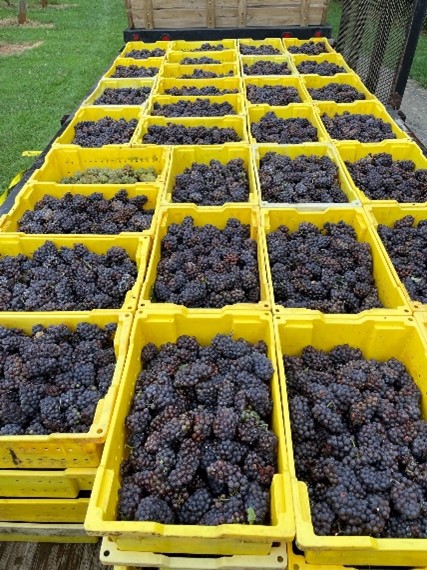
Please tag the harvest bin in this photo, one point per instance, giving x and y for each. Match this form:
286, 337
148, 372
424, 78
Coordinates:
62, 450
31, 194
399, 150
183, 158
235, 100
96, 114
203, 215
387, 216
389, 292
381, 339
156, 62
65, 162
130, 83
222, 83
137, 248
161, 327
318, 81
307, 149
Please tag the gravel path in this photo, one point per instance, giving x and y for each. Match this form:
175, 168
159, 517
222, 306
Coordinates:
414, 105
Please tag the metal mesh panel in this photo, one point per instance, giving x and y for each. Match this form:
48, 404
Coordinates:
373, 37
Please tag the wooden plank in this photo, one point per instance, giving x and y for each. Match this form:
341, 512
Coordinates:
188, 18
128, 5
210, 13
273, 16
273, 3
304, 12
227, 17
149, 20
173, 5
315, 16
242, 12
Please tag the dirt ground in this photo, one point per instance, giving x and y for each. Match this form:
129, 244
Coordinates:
414, 105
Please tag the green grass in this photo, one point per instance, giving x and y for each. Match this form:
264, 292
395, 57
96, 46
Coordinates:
419, 66
41, 85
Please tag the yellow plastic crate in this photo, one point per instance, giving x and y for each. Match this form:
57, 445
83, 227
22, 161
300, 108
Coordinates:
43, 510
205, 215
421, 319
251, 59
131, 560
399, 150
118, 84
275, 80
184, 157
95, 114
138, 249
162, 327
130, 46
389, 292
156, 62
316, 149
221, 83
387, 215
235, 100
66, 161
32, 193
238, 123
379, 338
190, 46
297, 111
61, 484
62, 450
297, 562
318, 81
290, 42
45, 532
374, 108
176, 70
273, 42
226, 56
329, 57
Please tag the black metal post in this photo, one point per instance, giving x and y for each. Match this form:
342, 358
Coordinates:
411, 45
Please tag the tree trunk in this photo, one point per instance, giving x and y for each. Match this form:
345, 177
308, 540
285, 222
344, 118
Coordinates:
22, 14
44, 3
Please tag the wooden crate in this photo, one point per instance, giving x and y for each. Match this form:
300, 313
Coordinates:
173, 14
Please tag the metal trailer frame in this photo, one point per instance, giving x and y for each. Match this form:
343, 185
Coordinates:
206, 34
